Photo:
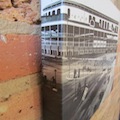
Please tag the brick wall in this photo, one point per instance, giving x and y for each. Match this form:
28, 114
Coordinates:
20, 60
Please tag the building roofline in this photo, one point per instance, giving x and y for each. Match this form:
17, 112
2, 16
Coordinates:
52, 4
80, 5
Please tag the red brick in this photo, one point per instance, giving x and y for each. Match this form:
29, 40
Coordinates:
20, 56
25, 105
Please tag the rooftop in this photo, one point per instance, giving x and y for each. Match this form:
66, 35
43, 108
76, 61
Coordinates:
78, 4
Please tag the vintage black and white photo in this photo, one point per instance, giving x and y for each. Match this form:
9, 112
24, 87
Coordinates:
79, 43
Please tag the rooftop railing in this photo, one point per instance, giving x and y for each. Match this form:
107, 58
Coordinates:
54, 18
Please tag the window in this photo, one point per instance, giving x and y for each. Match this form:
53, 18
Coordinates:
60, 41
47, 28
99, 35
105, 35
112, 27
76, 31
58, 11
70, 42
91, 31
70, 29
69, 53
102, 34
76, 42
87, 31
103, 25
86, 43
51, 52
108, 26
94, 18
82, 30
68, 12
62, 28
53, 12
95, 33
116, 29
54, 41
90, 18
90, 44
45, 51
42, 29
54, 28
42, 50
100, 23
59, 53
49, 13
92, 23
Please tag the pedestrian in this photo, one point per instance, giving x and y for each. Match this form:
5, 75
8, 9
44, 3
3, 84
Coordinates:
54, 82
75, 73
79, 90
79, 73
45, 79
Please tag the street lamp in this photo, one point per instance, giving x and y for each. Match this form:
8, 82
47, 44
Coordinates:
69, 59
55, 73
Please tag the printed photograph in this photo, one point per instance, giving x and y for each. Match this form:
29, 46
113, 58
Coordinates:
79, 43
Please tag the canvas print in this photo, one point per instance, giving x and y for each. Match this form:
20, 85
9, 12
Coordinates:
79, 42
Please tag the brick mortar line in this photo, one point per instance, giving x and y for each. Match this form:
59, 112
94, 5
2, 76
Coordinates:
7, 89
28, 102
10, 27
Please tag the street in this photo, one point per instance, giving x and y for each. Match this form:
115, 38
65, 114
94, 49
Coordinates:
83, 85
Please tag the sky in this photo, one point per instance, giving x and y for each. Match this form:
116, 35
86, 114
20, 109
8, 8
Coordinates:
103, 6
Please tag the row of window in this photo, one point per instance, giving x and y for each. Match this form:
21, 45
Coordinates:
76, 53
78, 43
53, 12
57, 12
74, 31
